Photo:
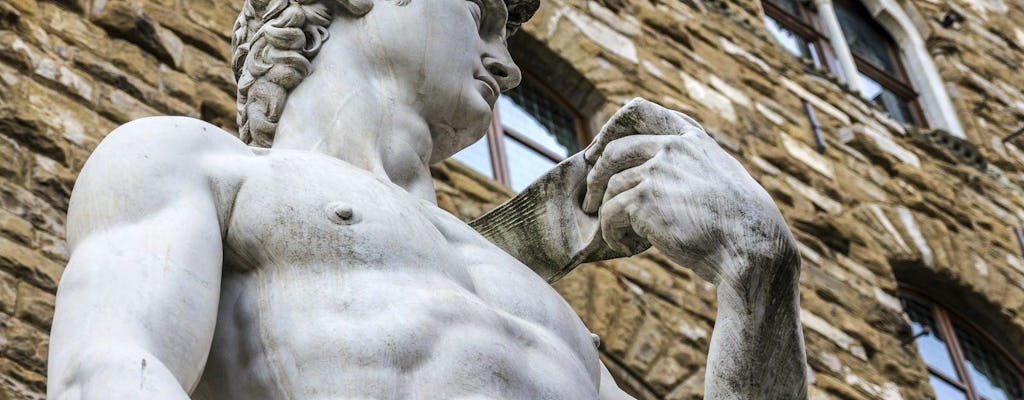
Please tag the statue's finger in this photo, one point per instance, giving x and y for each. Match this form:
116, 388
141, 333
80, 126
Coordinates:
622, 154
617, 230
623, 181
640, 116
623, 123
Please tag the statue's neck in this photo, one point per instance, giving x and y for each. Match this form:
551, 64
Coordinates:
363, 124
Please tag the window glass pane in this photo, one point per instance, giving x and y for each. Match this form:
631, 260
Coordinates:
945, 391
791, 41
931, 346
790, 6
898, 108
477, 156
813, 52
992, 376
524, 164
866, 39
531, 113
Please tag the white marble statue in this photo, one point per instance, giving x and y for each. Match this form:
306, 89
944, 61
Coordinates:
309, 260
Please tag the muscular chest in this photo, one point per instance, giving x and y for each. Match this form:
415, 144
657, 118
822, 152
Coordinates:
300, 208
373, 255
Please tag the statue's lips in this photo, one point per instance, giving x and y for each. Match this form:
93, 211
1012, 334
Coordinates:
492, 91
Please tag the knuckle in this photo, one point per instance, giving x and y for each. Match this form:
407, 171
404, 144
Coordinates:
653, 169
616, 181
642, 194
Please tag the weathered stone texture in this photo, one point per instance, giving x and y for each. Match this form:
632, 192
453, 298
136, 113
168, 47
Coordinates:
879, 202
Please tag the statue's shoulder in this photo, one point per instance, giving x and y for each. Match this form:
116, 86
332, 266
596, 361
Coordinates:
170, 136
160, 145
151, 163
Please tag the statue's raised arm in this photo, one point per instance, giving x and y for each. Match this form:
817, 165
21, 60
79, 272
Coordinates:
653, 176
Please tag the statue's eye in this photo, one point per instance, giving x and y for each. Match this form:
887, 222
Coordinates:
474, 8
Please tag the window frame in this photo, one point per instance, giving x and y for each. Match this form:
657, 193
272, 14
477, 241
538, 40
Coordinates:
806, 26
497, 131
945, 320
900, 84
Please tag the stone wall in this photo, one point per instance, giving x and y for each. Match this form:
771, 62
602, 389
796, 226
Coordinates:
878, 203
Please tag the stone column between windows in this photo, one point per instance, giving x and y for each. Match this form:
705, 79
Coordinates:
830, 21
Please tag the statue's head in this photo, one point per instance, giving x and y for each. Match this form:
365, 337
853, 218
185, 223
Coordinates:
275, 42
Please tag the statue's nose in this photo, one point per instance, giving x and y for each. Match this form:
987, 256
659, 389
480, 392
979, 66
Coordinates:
503, 70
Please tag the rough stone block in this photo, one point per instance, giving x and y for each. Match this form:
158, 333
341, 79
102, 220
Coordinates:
129, 57
833, 334
14, 50
677, 363
34, 306
16, 228
53, 247
24, 344
27, 7
127, 19
609, 39
20, 383
120, 106
215, 15
198, 36
628, 318
603, 309
8, 293
51, 181
217, 107
13, 167
28, 264
43, 119
205, 68
647, 344
29, 207
177, 85
807, 155
72, 27
709, 98
690, 389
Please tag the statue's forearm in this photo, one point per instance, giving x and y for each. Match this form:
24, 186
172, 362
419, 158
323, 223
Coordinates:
757, 349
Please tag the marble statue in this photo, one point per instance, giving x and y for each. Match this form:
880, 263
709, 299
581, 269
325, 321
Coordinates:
308, 260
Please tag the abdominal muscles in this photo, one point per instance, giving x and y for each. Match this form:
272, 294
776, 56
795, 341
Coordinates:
310, 332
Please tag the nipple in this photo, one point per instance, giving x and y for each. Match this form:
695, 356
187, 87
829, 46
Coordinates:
341, 213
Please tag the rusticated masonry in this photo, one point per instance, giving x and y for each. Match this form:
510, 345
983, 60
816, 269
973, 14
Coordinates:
880, 206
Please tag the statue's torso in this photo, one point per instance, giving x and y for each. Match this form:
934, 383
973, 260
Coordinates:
339, 285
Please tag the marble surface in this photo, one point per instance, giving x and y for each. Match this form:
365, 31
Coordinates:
310, 261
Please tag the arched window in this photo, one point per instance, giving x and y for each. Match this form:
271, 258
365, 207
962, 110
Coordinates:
533, 130
963, 362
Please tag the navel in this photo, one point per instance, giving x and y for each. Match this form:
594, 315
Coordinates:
341, 213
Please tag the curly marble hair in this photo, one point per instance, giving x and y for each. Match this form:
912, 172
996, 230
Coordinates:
273, 45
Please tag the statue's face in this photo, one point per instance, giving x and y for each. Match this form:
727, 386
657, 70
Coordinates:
447, 57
